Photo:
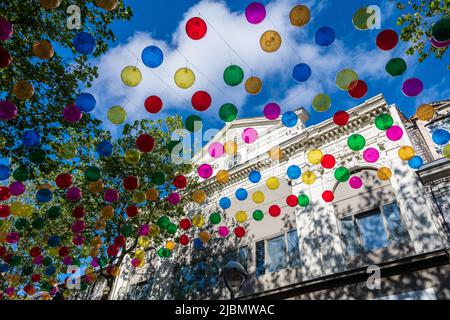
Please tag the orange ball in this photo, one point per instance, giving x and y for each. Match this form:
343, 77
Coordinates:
152, 195
23, 90
43, 49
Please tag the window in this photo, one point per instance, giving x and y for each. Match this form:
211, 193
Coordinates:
276, 249
213, 277
140, 291
293, 252
240, 255
260, 258
373, 230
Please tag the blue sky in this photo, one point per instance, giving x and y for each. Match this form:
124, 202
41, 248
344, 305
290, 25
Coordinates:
156, 23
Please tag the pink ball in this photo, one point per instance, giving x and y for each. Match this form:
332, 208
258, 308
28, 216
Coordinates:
255, 12
371, 155
223, 231
12, 237
67, 260
111, 195
215, 150
6, 29
78, 240
135, 262
174, 198
144, 230
355, 182
94, 262
10, 291
8, 110
249, 135
73, 194
16, 188
394, 133
72, 113
78, 226
38, 260
272, 111
205, 171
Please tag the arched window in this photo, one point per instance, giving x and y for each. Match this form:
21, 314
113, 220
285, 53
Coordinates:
369, 217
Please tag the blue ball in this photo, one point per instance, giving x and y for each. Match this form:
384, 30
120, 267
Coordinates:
152, 56
198, 244
85, 102
225, 203
104, 148
31, 138
294, 172
5, 172
301, 72
254, 176
4, 267
241, 194
441, 136
325, 36
289, 119
44, 195
53, 241
50, 270
84, 43
415, 162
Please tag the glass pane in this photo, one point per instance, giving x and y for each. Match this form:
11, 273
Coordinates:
243, 256
397, 230
187, 280
230, 256
277, 253
200, 272
214, 273
373, 232
293, 251
260, 257
350, 237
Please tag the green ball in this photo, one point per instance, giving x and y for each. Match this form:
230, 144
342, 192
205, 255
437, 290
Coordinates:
258, 215
342, 174
172, 228
21, 174
37, 156
92, 174
38, 223
103, 261
384, 121
76, 262
396, 67
21, 224
158, 178
303, 200
164, 252
15, 261
193, 123
163, 222
233, 75
228, 112
27, 270
441, 29
46, 286
356, 142
47, 261
54, 213
126, 230
215, 218
83, 286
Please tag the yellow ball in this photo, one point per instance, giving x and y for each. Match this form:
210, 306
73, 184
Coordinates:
171, 245
204, 236
143, 241
199, 196
384, 173
132, 156
50, 4
26, 210
131, 76
230, 147
139, 196
23, 90
139, 254
152, 195
3, 236
107, 5
184, 78
43, 49
315, 156
258, 197
270, 41
308, 177
273, 183
241, 216
299, 15
446, 151
425, 112
117, 115
107, 212
253, 85
154, 230
198, 221
275, 153
67, 151
141, 264
53, 251
222, 176
406, 152
96, 186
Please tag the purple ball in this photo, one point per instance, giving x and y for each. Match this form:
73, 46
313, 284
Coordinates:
6, 29
16, 188
255, 12
72, 113
78, 226
111, 195
78, 240
144, 230
38, 260
272, 111
439, 44
73, 194
174, 198
94, 263
8, 110
67, 260
412, 87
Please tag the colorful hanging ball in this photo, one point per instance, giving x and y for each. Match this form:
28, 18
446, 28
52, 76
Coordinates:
63, 180
228, 112
233, 75
215, 218
273, 183
440, 30
255, 12
84, 43
328, 196
179, 182
223, 231
107, 5
291, 201
358, 90
270, 41
342, 174
204, 236
205, 171
145, 143
110, 195
132, 156
249, 135
6, 29
446, 151
412, 87
185, 224
92, 174
272, 111
23, 90
152, 56
184, 78
153, 104
405, 153
201, 100
361, 17
230, 147
31, 138
67, 151
387, 39
258, 215
254, 176
258, 197
72, 113
16, 188
85, 102
309, 177
289, 119
440, 136
321, 102
241, 194
356, 142
239, 232
73, 194
274, 210
396, 67
371, 155
131, 76
415, 162
215, 150
325, 36
425, 112
346, 79
222, 176
199, 196
253, 85
299, 15
104, 148
355, 182
384, 121
43, 49
44, 195
198, 221
196, 28
301, 72
328, 161
314, 156
117, 115
4, 193
225, 202
5, 172
183, 240
394, 133
8, 110
293, 172
439, 44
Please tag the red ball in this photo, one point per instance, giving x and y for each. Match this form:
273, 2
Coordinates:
5, 58
387, 39
4, 211
180, 182
109, 269
112, 250
275, 210
35, 251
2, 251
201, 100
340, 118
4, 193
130, 183
185, 224
359, 89
328, 161
36, 277
184, 240
196, 28
119, 240
63, 251
64, 180
7, 258
78, 212
327, 196
153, 104
239, 232
291, 201
132, 211
145, 143
28, 288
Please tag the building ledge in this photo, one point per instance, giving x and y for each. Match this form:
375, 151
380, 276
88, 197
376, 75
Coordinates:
434, 170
